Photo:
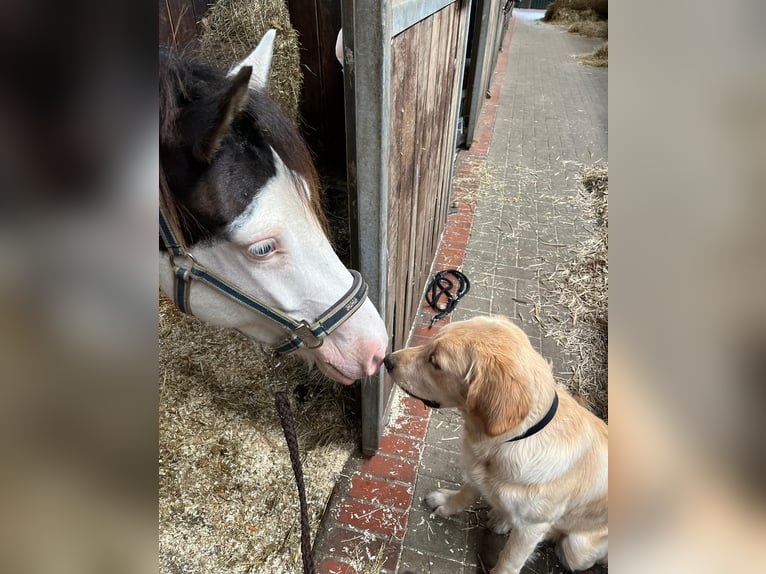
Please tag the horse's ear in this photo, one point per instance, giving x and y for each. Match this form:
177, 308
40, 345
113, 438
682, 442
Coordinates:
223, 111
260, 60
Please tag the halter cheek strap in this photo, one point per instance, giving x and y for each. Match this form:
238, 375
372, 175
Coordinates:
299, 332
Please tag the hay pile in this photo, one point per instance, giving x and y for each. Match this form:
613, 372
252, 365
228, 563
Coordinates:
227, 497
590, 29
568, 11
598, 57
233, 28
587, 18
583, 286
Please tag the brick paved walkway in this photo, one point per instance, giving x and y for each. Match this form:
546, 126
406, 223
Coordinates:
547, 116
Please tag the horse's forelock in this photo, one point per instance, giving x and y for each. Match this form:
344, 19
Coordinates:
169, 88
285, 140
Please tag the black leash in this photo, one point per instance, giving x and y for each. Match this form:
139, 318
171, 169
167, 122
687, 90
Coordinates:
288, 426
441, 288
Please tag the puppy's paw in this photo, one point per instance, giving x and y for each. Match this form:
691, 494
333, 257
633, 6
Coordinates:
439, 501
498, 522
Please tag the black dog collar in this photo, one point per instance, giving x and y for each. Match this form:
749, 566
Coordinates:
542, 423
426, 402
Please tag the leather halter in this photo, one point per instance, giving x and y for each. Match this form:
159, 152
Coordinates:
299, 332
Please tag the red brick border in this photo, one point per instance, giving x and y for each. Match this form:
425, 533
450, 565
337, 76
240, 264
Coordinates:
370, 509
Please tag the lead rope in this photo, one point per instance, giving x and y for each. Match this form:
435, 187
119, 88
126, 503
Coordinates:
288, 426
441, 288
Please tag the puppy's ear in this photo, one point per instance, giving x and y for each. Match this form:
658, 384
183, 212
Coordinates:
497, 395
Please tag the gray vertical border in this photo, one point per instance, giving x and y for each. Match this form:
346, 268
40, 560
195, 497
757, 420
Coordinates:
367, 70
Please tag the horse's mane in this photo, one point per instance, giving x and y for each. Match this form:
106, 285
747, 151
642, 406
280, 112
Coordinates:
183, 79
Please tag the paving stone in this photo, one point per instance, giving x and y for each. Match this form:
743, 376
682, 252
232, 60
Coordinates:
417, 561
414, 407
474, 305
400, 446
472, 253
508, 256
439, 462
503, 302
427, 484
481, 290
331, 566
389, 468
445, 433
380, 492
440, 536
450, 415
374, 519
485, 547
350, 547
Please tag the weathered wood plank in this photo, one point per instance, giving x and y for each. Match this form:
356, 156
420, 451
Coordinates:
415, 247
429, 149
403, 60
441, 187
411, 64
456, 54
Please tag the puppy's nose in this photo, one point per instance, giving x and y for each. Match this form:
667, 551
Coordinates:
390, 362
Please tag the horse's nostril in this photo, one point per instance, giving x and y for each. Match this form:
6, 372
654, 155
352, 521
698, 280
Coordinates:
375, 366
389, 362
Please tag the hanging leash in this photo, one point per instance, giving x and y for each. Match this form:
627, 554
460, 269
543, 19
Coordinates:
441, 289
288, 426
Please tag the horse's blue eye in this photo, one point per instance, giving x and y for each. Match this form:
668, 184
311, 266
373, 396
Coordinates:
262, 249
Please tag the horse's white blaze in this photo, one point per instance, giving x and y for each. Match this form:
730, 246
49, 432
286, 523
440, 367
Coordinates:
303, 278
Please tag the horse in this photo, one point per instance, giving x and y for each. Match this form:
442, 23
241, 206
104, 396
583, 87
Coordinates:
243, 238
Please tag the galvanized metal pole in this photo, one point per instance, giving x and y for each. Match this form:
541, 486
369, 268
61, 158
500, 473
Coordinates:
367, 71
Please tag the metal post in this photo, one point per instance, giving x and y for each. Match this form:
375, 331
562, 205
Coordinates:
367, 68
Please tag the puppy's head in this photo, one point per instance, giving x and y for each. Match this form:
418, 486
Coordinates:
484, 366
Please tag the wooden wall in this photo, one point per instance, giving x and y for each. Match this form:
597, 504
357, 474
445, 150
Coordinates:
426, 61
179, 21
323, 116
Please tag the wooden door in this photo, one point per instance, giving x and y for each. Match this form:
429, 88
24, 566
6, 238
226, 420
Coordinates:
402, 90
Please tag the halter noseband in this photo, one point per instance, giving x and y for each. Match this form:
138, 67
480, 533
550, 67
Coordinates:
299, 333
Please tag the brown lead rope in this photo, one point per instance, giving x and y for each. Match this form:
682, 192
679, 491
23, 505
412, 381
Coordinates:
286, 417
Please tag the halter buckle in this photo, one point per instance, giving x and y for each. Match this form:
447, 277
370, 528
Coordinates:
184, 259
303, 330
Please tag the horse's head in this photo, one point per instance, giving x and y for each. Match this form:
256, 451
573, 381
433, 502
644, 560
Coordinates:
240, 183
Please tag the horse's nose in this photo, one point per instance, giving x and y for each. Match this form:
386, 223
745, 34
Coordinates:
377, 358
390, 362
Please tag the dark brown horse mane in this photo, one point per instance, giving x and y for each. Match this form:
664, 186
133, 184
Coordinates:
183, 78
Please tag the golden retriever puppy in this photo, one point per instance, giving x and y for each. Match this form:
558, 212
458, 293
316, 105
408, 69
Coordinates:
536, 455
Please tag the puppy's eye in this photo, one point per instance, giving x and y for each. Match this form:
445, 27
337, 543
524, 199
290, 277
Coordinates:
432, 361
